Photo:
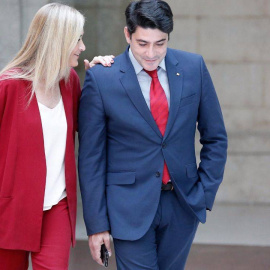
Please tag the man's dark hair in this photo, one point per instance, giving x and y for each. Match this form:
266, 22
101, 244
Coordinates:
155, 14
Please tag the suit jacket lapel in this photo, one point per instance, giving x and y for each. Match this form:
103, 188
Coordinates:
130, 83
67, 99
175, 78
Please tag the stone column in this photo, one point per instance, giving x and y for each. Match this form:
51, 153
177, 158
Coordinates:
104, 26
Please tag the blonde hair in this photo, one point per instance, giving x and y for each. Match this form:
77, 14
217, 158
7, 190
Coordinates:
44, 57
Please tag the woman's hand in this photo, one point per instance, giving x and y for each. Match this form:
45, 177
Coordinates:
106, 61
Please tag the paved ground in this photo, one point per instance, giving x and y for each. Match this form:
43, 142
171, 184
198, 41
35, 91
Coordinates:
211, 257
235, 237
202, 257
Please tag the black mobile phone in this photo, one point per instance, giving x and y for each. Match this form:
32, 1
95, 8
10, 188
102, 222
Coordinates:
104, 255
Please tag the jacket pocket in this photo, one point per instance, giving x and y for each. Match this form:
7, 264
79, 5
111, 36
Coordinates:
188, 100
191, 170
120, 178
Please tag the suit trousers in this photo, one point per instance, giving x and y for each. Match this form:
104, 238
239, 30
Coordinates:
166, 244
54, 248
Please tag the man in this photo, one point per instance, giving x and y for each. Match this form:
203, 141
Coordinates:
137, 166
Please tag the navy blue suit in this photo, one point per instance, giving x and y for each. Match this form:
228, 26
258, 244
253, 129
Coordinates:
122, 152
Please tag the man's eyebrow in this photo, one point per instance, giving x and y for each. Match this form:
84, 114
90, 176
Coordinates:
161, 40
141, 40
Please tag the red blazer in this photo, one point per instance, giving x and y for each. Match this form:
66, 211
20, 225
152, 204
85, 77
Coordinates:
23, 165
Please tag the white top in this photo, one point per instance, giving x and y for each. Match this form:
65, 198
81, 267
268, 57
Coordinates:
54, 126
145, 80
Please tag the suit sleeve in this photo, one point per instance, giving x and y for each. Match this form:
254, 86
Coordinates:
92, 156
213, 138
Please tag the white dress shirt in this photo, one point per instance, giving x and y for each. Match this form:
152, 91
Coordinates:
145, 80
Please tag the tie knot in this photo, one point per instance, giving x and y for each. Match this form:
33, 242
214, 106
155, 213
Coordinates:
152, 74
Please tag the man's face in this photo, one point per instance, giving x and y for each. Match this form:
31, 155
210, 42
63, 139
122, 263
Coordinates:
149, 46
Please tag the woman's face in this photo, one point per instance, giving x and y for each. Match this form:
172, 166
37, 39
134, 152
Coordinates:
74, 57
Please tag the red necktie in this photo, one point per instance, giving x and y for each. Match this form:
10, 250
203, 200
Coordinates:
160, 111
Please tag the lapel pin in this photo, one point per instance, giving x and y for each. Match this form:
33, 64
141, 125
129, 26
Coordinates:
178, 74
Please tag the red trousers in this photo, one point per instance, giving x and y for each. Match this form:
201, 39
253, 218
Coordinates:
55, 244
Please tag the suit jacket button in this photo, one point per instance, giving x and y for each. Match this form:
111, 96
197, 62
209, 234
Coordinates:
157, 174
164, 145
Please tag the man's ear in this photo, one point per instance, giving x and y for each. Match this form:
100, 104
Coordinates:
127, 35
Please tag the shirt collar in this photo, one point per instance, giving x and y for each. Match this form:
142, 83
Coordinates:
138, 68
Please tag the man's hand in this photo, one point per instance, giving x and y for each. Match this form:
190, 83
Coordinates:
106, 61
95, 241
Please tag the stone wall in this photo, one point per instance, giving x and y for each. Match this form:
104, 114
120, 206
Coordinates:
234, 38
104, 27
15, 18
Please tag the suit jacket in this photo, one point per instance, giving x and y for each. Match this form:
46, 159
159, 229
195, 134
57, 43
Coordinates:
23, 164
121, 152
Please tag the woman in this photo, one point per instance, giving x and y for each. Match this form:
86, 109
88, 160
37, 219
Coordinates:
39, 95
